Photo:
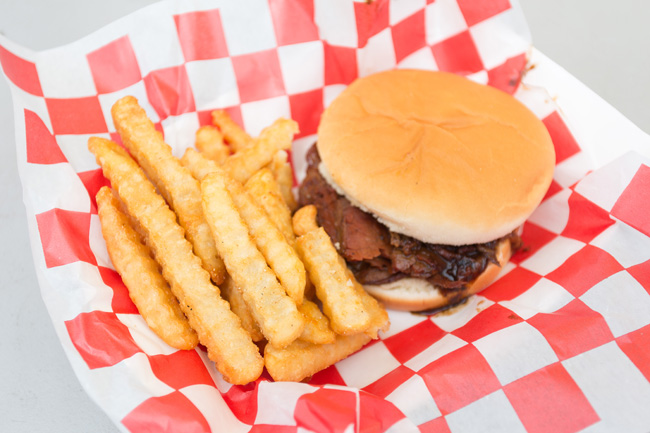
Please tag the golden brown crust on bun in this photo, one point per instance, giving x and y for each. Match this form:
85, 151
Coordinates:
436, 156
411, 294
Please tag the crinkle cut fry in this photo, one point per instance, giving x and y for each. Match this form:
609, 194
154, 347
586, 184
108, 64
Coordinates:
276, 314
200, 167
283, 173
236, 137
317, 326
379, 320
248, 160
141, 275
264, 188
198, 164
277, 251
302, 359
209, 141
327, 270
218, 328
181, 191
337, 288
232, 294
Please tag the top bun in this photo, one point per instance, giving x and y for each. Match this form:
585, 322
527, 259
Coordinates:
436, 156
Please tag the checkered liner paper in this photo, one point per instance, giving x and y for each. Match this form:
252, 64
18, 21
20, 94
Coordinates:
560, 342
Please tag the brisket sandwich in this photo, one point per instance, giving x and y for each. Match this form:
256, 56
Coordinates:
422, 180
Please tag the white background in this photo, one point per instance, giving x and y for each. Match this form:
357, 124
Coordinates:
604, 44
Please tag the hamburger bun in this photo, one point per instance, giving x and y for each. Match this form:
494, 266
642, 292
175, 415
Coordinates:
435, 156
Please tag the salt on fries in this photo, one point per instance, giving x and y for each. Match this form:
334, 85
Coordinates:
282, 284
147, 288
218, 328
181, 191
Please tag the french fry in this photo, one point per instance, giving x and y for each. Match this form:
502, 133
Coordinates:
283, 173
236, 137
197, 164
218, 328
379, 320
341, 302
301, 359
233, 295
209, 141
135, 225
181, 191
277, 315
147, 288
245, 162
279, 255
304, 220
263, 187
328, 271
317, 329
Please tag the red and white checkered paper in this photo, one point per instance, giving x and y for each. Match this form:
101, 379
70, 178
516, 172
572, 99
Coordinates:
560, 342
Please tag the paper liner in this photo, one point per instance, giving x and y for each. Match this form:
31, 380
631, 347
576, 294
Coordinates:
560, 342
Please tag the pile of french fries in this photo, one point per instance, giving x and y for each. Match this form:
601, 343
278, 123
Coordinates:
213, 249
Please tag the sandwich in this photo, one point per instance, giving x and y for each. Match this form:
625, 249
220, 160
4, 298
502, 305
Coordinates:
423, 179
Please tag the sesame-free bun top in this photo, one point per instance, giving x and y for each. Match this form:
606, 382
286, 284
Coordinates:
436, 156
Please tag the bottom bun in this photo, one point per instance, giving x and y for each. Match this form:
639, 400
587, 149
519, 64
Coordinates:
413, 294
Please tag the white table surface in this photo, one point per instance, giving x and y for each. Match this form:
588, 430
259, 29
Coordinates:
605, 45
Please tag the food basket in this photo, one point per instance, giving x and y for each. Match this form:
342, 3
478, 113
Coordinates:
560, 342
